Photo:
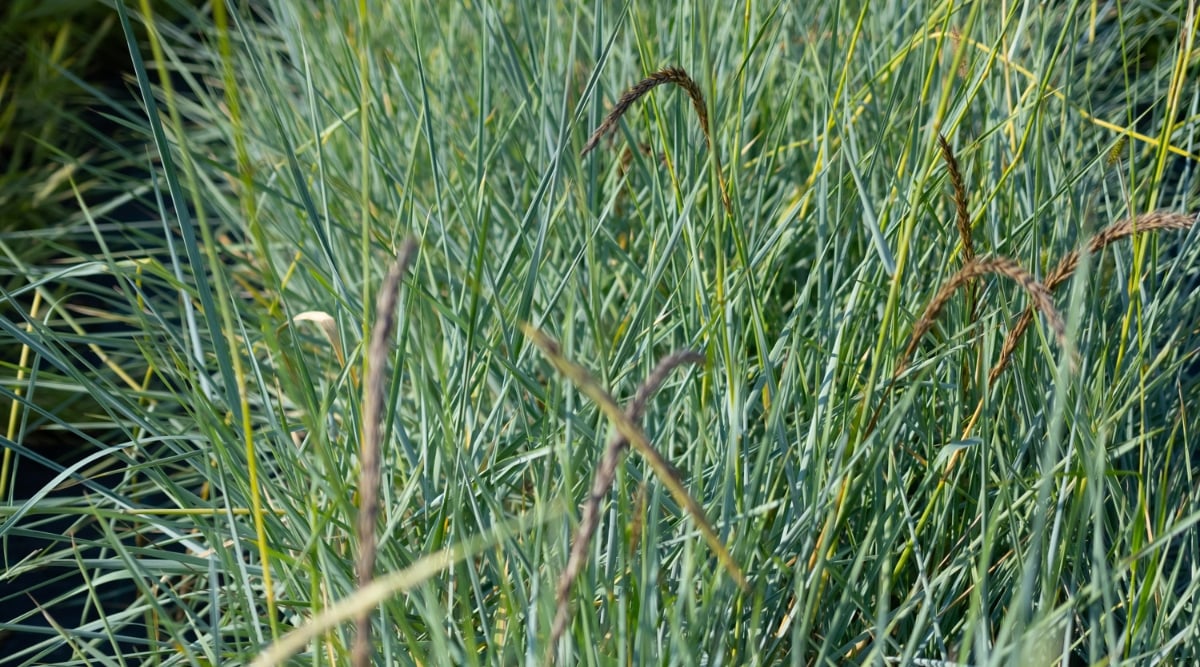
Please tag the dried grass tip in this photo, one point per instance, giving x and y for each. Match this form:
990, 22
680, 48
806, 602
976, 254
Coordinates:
675, 75
1003, 266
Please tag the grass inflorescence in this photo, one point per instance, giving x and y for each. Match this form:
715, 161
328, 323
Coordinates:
601, 483
962, 214
974, 268
1143, 224
679, 77
375, 393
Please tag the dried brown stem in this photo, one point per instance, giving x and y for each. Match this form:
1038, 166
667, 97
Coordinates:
962, 213
971, 270
1147, 222
962, 219
601, 483
679, 77
369, 466
675, 75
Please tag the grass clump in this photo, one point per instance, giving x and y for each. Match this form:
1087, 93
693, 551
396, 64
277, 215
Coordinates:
243, 487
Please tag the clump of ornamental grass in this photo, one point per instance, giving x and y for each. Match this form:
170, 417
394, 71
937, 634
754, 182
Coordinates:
679, 77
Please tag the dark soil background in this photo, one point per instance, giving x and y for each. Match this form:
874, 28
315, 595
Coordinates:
59, 101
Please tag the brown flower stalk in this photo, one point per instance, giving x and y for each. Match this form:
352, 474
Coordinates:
971, 270
1147, 222
962, 213
679, 77
601, 483
631, 433
369, 476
